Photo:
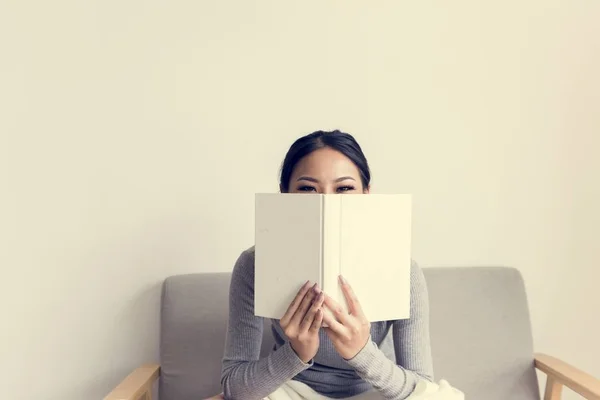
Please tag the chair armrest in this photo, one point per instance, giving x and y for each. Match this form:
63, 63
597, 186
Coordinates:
136, 384
560, 373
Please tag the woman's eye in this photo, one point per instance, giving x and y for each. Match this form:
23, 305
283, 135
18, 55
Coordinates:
345, 188
306, 188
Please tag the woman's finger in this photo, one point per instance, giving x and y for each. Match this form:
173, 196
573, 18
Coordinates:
337, 310
333, 325
353, 304
308, 319
295, 304
317, 322
304, 306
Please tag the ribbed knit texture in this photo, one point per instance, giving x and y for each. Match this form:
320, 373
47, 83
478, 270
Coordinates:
247, 376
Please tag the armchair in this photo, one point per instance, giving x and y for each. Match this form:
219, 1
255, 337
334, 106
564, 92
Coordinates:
480, 334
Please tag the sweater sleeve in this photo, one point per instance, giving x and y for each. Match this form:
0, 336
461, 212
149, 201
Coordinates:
244, 374
411, 345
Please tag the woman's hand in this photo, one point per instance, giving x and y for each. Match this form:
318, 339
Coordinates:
302, 321
349, 332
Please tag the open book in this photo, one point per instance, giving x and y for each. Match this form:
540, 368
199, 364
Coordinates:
366, 238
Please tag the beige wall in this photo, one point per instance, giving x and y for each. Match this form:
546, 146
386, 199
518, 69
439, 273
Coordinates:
134, 134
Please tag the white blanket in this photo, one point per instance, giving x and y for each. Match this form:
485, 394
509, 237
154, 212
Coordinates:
424, 390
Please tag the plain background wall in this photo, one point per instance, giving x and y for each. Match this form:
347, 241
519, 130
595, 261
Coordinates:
133, 136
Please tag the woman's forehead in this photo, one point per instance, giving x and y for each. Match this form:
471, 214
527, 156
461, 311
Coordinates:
326, 163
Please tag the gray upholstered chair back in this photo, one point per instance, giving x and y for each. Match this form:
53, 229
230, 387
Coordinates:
480, 333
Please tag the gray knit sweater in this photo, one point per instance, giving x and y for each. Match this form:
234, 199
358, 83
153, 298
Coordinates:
247, 376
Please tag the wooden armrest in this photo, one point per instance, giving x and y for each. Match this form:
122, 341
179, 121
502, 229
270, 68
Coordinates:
560, 373
137, 384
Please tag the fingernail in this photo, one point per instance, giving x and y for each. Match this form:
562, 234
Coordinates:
343, 280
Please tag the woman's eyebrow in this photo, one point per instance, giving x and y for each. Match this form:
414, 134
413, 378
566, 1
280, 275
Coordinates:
308, 178
343, 178
311, 179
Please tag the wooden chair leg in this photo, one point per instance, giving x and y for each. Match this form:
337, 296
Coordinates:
553, 390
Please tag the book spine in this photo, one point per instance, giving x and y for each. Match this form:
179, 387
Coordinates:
321, 243
331, 233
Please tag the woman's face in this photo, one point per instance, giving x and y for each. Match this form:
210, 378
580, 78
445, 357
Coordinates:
326, 171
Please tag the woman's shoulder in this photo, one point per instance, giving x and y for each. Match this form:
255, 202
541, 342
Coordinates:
417, 277
414, 267
244, 264
248, 254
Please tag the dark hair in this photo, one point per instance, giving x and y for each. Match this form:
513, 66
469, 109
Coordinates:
340, 141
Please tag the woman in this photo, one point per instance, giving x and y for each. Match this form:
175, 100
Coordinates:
344, 359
